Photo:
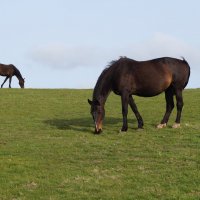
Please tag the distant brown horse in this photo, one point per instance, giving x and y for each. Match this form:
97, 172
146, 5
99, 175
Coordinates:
9, 71
127, 77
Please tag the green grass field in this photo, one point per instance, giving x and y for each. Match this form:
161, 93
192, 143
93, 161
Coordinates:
48, 149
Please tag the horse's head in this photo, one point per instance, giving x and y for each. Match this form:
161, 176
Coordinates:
21, 82
98, 113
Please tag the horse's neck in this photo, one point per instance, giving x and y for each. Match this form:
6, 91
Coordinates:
18, 74
102, 91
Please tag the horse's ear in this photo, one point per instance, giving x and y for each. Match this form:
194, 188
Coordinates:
95, 102
90, 102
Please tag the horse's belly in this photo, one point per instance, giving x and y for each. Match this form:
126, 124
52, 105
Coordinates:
148, 93
151, 90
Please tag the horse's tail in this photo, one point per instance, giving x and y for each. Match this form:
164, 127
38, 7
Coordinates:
188, 66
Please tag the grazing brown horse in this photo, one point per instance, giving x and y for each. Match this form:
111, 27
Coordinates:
127, 77
9, 71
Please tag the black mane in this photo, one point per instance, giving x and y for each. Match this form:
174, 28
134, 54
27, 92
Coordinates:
17, 72
100, 83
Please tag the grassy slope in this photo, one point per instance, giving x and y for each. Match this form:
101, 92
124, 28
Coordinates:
48, 150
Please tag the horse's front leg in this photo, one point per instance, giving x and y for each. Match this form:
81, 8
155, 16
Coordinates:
10, 79
124, 99
4, 81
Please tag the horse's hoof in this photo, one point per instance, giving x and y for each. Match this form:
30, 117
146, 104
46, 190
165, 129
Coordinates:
122, 131
159, 126
176, 125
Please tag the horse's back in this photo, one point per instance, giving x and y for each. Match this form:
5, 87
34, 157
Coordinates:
7, 70
149, 78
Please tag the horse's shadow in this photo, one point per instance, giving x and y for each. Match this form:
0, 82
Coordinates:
79, 124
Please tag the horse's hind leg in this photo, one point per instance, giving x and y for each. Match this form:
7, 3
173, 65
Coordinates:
135, 110
179, 105
169, 107
4, 81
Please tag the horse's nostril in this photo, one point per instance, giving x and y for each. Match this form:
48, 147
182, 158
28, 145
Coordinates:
98, 131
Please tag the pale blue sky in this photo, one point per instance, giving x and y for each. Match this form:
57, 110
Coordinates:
66, 44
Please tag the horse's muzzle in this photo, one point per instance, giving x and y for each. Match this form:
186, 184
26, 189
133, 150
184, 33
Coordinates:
98, 131
98, 128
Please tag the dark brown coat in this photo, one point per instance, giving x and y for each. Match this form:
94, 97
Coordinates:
9, 71
127, 77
